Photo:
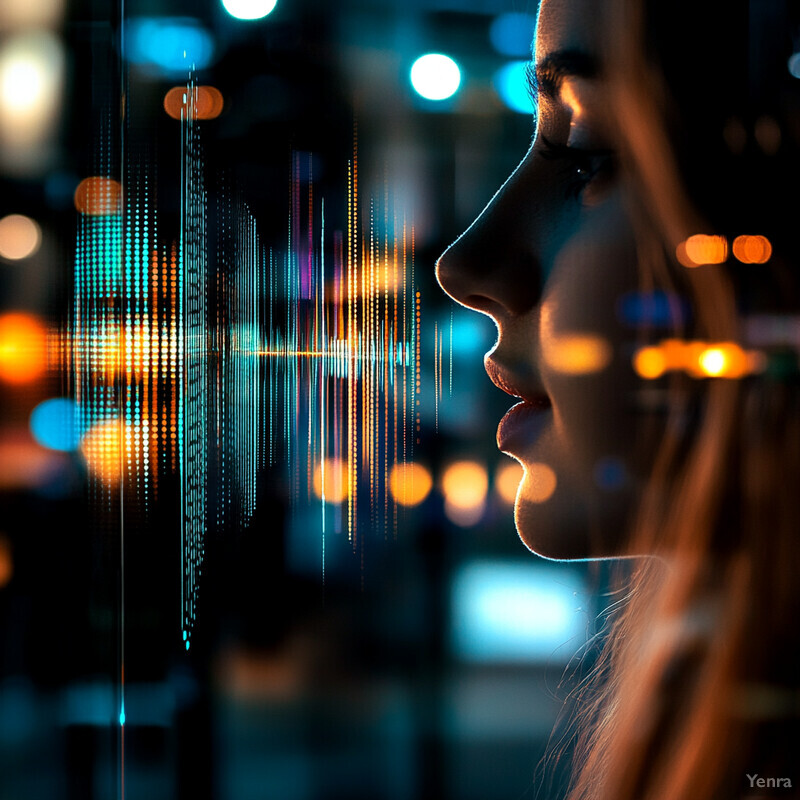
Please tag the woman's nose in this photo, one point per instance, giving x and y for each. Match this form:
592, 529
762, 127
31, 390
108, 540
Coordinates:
494, 266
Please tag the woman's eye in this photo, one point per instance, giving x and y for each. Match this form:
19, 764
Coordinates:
582, 168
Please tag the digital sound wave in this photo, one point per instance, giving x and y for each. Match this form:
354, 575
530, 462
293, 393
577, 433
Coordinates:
201, 356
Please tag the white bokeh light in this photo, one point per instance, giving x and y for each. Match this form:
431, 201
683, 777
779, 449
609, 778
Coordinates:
249, 9
435, 76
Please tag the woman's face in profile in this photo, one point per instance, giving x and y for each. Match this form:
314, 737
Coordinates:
549, 259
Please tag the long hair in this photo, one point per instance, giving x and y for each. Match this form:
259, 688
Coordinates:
697, 692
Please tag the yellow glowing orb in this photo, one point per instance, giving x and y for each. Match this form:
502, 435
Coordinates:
20, 237
464, 484
409, 483
577, 354
23, 348
507, 480
332, 474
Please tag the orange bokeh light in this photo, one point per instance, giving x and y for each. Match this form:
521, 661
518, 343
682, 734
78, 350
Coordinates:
702, 249
23, 348
650, 363
540, 483
207, 102
99, 197
507, 480
20, 237
333, 475
101, 447
409, 483
752, 249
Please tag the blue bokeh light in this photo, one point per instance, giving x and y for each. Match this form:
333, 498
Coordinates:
170, 44
54, 424
511, 84
516, 611
512, 34
657, 308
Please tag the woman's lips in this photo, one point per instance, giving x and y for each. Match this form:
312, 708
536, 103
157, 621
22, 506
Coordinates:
523, 424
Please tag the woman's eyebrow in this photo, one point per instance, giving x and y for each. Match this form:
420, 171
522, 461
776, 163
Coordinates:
548, 74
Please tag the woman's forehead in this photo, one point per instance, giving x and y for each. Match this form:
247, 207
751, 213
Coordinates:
568, 25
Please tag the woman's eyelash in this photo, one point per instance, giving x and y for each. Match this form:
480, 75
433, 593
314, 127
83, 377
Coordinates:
582, 165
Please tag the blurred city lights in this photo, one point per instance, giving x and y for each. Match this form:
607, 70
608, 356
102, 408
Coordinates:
702, 249
207, 102
507, 480
510, 83
101, 448
31, 75
409, 483
651, 308
435, 76
332, 475
27, 14
6, 561
698, 359
54, 424
577, 354
752, 249
610, 473
24, 464
768, 135
99, 197
20, 237
169, 44
650, 363
540, 483
249, 9
23, 348
511, 34
464, 486
515, 611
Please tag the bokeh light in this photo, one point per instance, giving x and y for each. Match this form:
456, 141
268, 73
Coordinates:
249, 9
577, 354
101, 448
650, 363
702, 249
99, 197
464, 486
31, 74
435, 76
23, 348
169, 44
610, 473
510, 83
511, 34
507, 480
54, 424
752, 249
698, 359
651, 308
794, 65
332, 475
20, 237
540, 482
206, 104
26, 14
409, 483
